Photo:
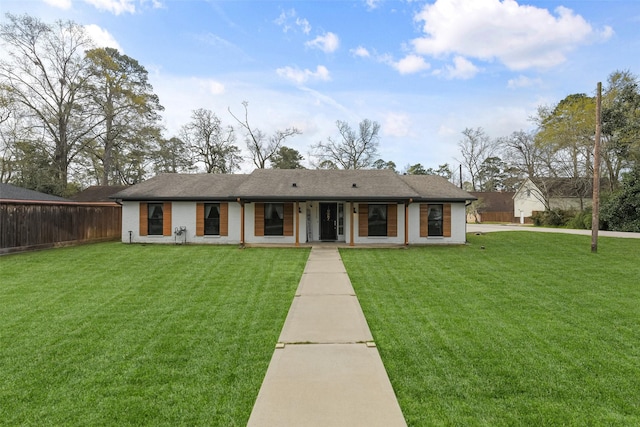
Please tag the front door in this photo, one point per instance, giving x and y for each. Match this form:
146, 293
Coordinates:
328, 221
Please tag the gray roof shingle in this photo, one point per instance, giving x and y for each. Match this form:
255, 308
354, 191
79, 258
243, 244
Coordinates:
433, 188
169, 186
296, 184
12, 192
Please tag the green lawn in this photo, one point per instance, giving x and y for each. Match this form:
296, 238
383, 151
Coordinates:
113, 334
532, 330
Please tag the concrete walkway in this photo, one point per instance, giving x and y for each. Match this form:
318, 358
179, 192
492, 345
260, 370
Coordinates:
326, 370
488, 228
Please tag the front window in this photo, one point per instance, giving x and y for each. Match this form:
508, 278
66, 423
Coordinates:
212, 219
154, 226
435, 220
377, 220
274, 219
340, 219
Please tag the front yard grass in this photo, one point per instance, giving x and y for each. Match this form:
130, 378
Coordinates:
113, 334
532, 330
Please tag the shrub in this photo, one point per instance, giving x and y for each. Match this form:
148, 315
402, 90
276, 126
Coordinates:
552, 217
581, 220
621, 212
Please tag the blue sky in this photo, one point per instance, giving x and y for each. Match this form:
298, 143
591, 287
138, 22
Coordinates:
425, 70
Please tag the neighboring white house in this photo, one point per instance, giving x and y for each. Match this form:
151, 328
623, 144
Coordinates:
540, 194
277, 206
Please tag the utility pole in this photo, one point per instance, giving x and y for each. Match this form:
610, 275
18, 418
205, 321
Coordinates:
595, 217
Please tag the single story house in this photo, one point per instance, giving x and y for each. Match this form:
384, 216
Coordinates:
278, 206
540, 194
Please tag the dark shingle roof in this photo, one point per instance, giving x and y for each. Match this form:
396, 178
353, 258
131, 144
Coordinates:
12, 192
494, 201
325, 185
296, 184
434, 187
170, 186
98, 193
566, 187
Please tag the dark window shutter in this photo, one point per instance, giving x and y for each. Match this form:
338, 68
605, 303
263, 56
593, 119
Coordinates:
144, 218
199, 219
446, 220
392, 220
166, 219
259, 219
224, 219
288, 219
424, 220
363, 220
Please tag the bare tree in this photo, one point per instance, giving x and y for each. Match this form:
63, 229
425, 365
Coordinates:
475, 148
45, 72
212, 143
353, 150
261, 147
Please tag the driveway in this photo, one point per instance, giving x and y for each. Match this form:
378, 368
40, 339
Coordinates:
489, 228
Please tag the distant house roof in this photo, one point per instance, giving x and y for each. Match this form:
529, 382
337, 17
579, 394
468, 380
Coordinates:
566, 187
12, 192
493, 201
98, 193
296, 184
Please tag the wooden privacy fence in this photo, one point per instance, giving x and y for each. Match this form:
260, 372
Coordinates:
27, 225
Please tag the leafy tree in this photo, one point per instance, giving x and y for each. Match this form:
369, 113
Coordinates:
621, 212
44, 71
212, 143
381, 164
621, 124
126, 106
287, 158
261, 147
172, 156
327, 164
567, 130
354, 150
443, 171
475, 148
416, 169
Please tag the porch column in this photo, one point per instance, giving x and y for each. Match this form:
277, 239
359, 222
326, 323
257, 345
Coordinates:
351, 225
296, 210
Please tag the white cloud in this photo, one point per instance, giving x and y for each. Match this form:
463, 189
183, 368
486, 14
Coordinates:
302, 76
289, 20
373, 4
523, 81
304, 25
101, 37
361, 52
520, 36
462, 68
114, 6
396, 124
214, 87
410, 64
328, 43
61, 4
